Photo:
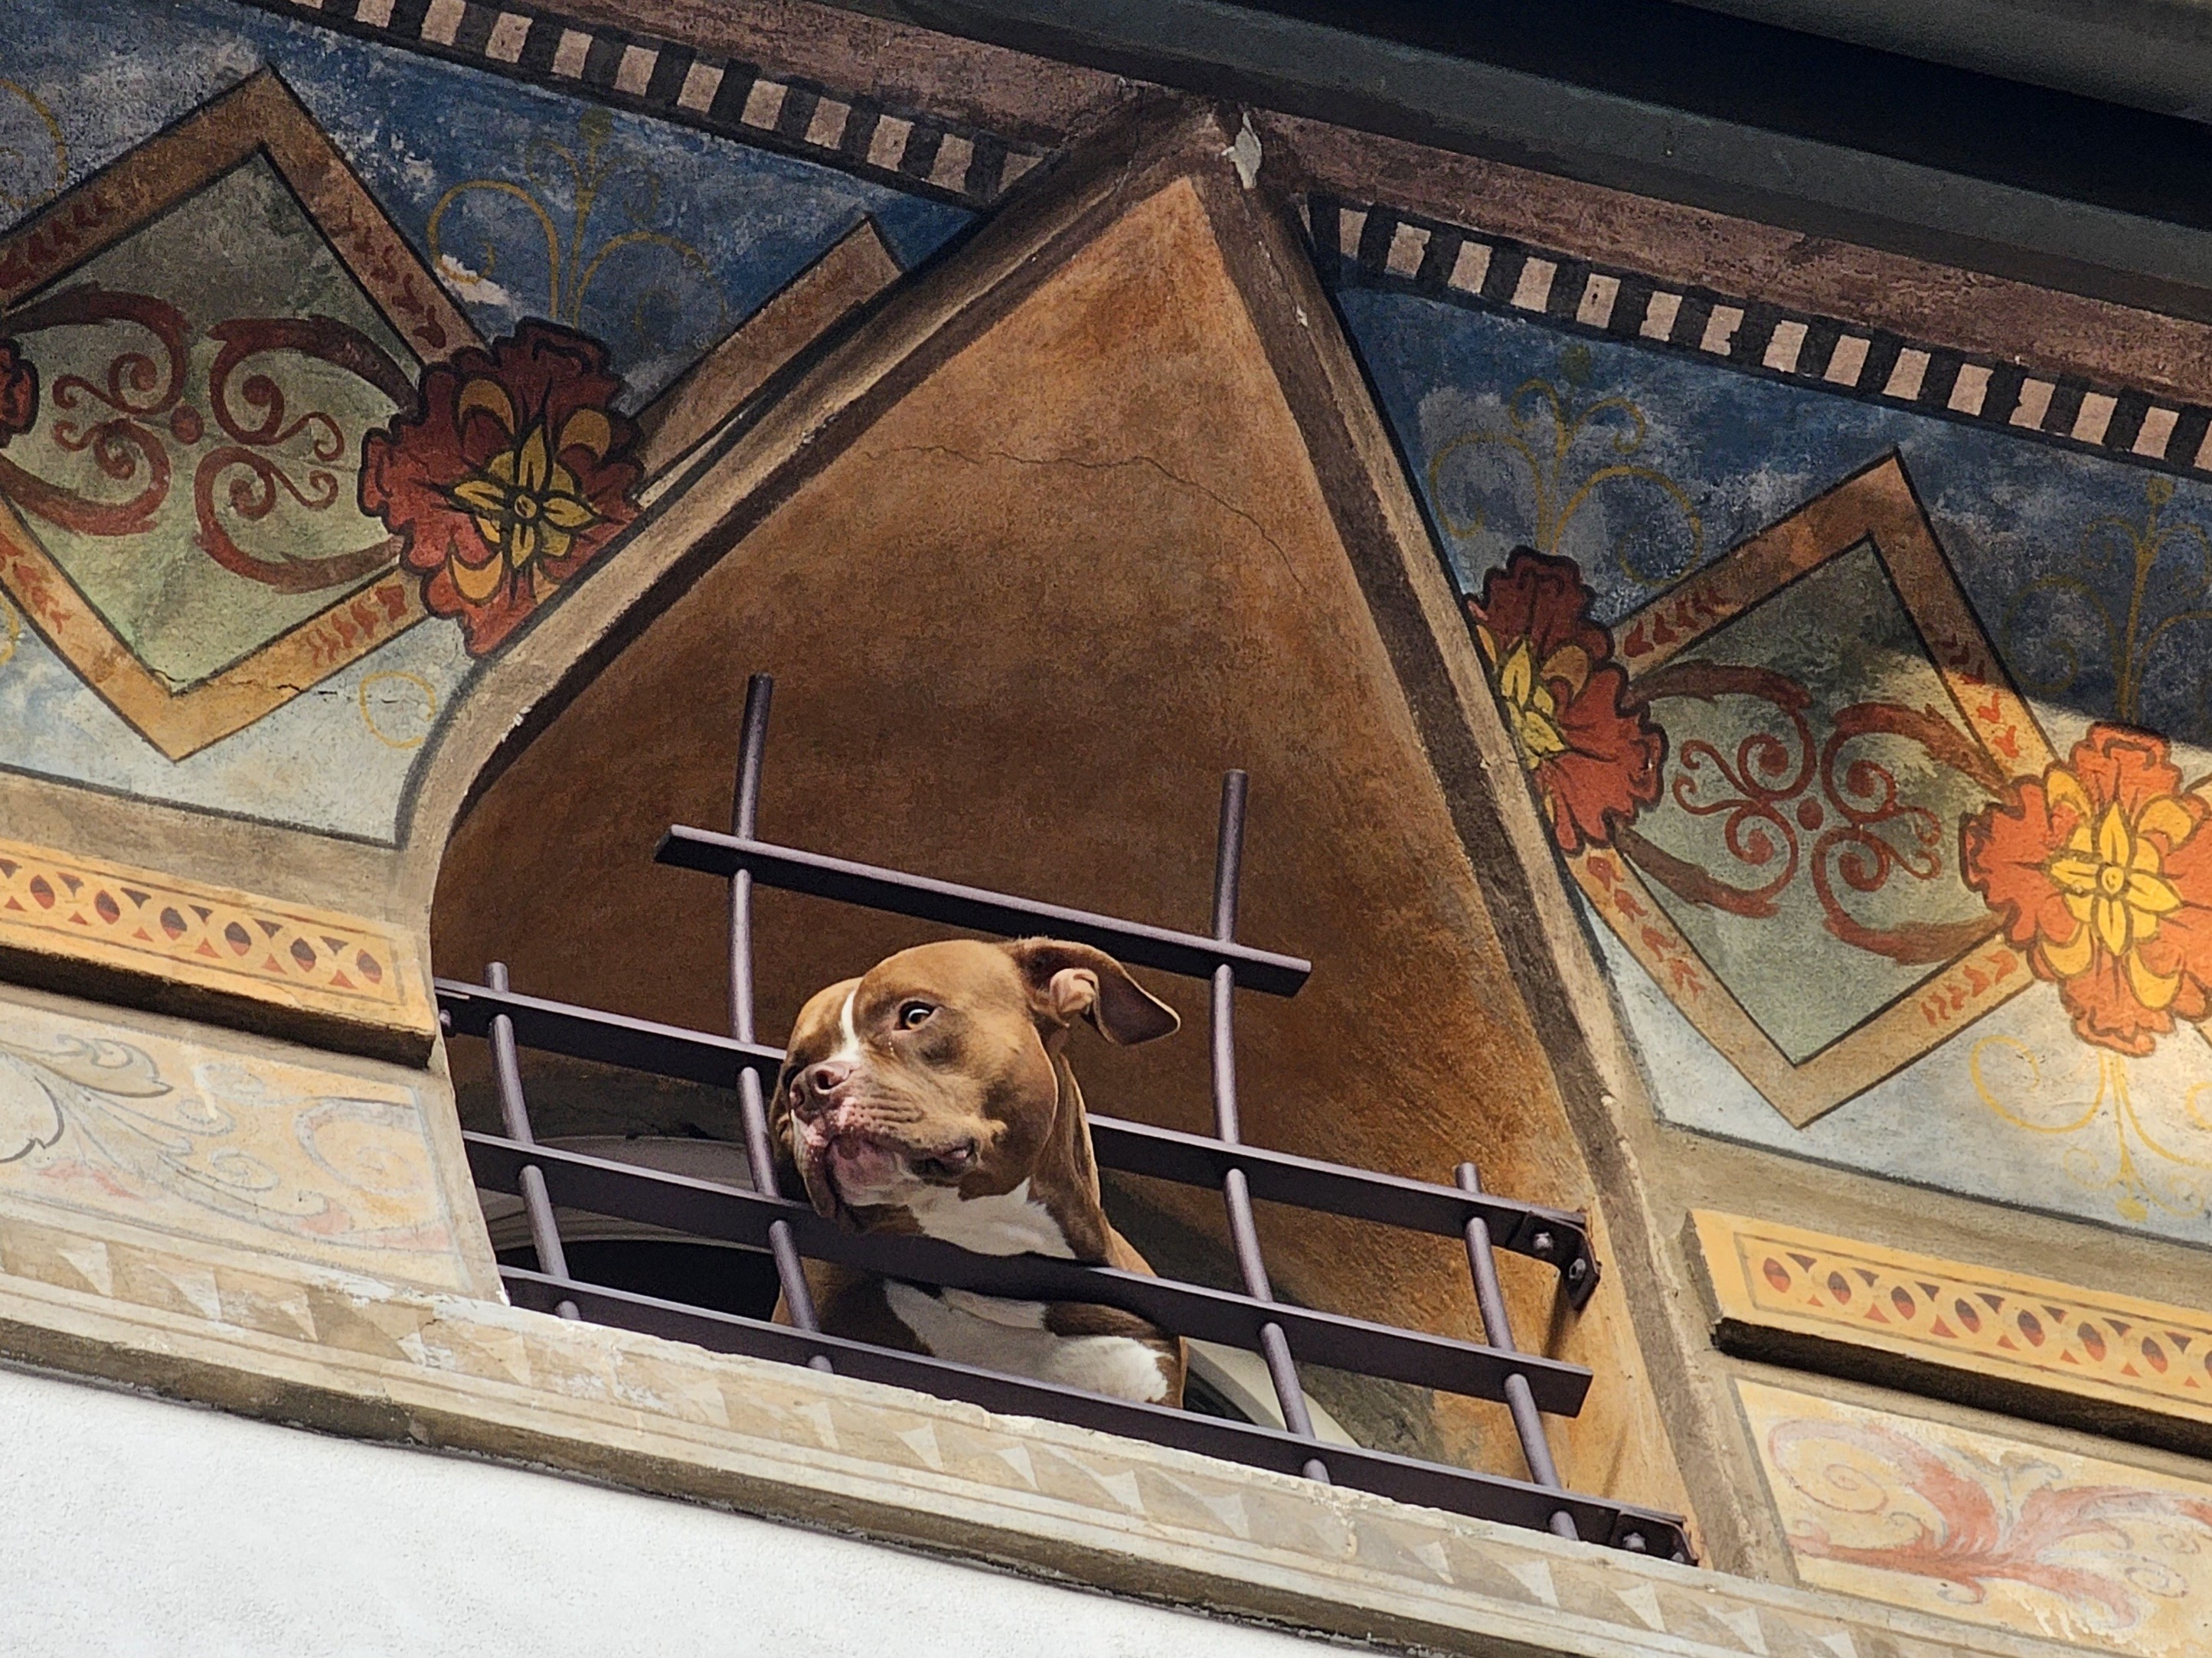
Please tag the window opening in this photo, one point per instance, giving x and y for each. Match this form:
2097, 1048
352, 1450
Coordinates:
1225, 1381
759, 1218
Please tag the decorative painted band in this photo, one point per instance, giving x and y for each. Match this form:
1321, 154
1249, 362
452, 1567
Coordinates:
115, 932
719, 95
1379, 245
2093, 1359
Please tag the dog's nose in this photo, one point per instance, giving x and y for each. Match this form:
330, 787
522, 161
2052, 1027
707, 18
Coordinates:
825, 1078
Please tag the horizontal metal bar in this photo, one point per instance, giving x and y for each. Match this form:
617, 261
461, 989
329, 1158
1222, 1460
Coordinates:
1188, 954
585, 1033
707, 1208
1556, 1236
1436, 1486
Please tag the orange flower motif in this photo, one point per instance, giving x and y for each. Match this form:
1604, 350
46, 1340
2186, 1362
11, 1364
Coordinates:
2102, 872
1595, 763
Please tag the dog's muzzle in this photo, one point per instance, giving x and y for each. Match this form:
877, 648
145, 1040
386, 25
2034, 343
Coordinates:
844, 1152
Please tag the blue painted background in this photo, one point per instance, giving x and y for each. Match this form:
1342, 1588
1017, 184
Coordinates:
2009, 512
115, 71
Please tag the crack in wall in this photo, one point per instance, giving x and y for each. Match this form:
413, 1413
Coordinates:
986, 457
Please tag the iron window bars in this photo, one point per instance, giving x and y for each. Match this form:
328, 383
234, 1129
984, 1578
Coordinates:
763, 1218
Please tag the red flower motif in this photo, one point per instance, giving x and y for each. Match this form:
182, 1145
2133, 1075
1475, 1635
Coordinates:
1594, 763
512, 474
2102, 871
19, 392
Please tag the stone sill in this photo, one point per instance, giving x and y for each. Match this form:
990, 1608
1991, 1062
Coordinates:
354, 1357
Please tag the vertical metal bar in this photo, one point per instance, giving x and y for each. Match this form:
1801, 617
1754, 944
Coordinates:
1528, 1421
1228, 873
514, 1112
1243, 1232
744, 813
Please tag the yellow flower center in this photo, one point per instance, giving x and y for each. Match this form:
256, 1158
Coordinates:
2112, 878
1532, 713
526, 505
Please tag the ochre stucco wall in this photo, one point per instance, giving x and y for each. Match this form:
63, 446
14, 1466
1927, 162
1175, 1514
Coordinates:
1018, 632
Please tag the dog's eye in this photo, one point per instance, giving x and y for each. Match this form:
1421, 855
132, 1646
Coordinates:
911, 1014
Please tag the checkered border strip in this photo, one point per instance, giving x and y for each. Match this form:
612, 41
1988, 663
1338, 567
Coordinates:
721, 95
1382, 247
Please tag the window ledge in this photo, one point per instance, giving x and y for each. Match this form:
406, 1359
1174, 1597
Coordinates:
351, 1356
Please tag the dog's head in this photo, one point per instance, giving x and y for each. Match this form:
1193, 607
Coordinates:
936, 1068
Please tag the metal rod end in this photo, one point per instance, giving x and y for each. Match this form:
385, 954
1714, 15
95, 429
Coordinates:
744, 807
1228, 854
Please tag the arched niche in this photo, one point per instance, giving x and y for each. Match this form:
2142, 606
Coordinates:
1078, 551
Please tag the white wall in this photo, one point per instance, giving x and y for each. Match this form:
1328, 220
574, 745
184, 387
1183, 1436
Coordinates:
133, 1525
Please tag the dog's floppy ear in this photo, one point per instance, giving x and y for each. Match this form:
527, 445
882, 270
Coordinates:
1069, 981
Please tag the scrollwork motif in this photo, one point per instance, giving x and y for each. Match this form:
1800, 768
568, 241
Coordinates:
370, 1145
127, 415
1790, 802
2150, 1164
1550, 436
24, 173
1880, 1498
398, 707
108, 1101
137, 390
99, 1112
559, 184
2134, 552
256, 424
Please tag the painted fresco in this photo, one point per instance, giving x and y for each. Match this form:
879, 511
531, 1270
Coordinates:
324, 366
1862, 688
1946, 1520
220, 1142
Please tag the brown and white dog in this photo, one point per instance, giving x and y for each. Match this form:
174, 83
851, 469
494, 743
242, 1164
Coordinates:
932, 1095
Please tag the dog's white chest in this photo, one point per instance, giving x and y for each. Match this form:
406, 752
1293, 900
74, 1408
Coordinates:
1012, 1223
1010, 1336
996, 1334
